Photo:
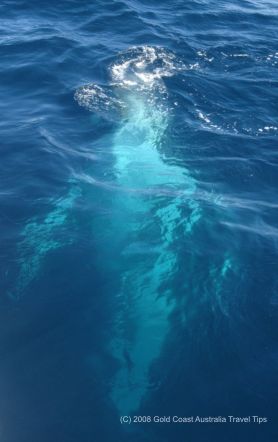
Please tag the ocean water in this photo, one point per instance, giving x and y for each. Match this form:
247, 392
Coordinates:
139, 237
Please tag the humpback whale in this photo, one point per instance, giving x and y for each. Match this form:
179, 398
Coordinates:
149, 205
154, 207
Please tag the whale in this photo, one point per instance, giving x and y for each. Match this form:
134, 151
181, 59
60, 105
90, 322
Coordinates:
154, 200
152, 206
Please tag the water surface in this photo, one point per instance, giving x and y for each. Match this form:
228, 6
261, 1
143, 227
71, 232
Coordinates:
138, 218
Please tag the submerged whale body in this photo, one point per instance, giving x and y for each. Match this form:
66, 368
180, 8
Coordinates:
144, 296
153, 209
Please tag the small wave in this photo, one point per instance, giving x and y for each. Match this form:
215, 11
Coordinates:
233, 128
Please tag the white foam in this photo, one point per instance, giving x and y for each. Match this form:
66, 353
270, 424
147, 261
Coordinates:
203, 117
267, 129
143, 67
100, 99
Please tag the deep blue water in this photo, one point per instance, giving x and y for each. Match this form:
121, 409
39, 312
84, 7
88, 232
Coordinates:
139, 237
